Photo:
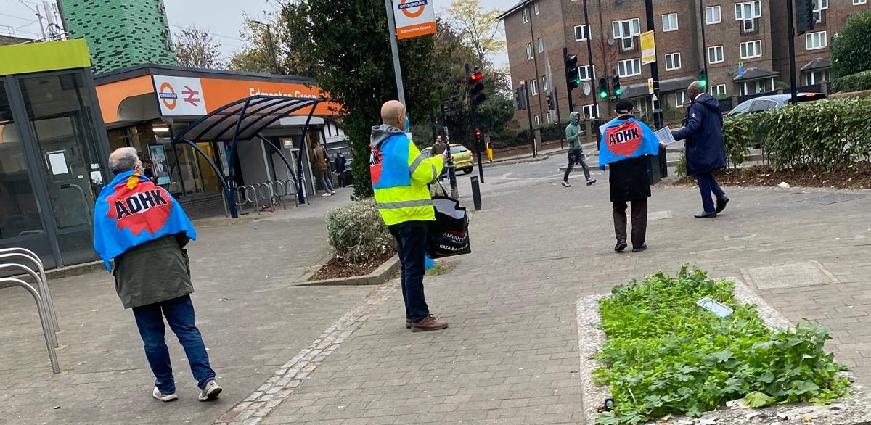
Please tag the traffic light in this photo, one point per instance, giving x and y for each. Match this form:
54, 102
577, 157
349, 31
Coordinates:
615, 83
804, 15
479, 134
573, 79
703, 79
603, 88
520, 96
551, 102
476, 87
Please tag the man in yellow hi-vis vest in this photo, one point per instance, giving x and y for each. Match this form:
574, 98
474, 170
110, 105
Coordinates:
400, 175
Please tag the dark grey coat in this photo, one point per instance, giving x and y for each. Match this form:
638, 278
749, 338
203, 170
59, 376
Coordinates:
153, 272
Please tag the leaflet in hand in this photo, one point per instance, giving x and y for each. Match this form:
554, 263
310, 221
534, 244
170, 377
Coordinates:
664, 135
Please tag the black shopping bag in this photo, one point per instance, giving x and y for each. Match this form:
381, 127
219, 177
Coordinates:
449, 234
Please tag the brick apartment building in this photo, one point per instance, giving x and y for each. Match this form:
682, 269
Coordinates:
746, 50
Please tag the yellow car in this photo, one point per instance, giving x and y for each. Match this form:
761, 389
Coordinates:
463, 158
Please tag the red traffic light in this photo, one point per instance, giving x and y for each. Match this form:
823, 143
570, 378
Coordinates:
479, 133
475, 77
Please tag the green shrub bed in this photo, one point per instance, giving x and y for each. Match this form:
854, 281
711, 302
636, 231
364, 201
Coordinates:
665, 355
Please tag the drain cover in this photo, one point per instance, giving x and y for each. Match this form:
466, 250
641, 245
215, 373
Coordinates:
835, 198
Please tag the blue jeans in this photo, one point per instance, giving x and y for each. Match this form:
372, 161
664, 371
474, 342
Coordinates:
411, 247
708, 185
180, 316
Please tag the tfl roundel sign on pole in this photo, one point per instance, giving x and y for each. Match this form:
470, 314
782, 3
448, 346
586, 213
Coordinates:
414, 18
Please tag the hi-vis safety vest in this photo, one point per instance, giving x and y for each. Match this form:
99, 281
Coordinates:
400, 175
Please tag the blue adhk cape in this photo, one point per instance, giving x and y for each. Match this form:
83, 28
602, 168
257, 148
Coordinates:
626, 138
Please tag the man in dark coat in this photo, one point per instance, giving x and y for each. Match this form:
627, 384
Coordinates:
629, 180
339, 168
705, 152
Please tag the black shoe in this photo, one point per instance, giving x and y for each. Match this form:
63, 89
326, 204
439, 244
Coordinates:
590, 182
721, 203
706, 215
639, 248
621, 245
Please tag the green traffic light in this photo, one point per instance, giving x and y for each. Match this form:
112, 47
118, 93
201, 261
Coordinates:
618, 92
603, 95
703, 83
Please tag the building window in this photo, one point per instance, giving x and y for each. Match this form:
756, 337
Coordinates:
816, 40
720, 90
625, 32
550, 116
680, 98
748, 14
525, 15
582, 32
533, 87
713, 15
535, 7
629, 67
588, 111
751, 49
715, 54
586, 72
816, 77
536, 119
669, 22
528, 51
819, 7
544, 85
672, 61
540, 45
858, 2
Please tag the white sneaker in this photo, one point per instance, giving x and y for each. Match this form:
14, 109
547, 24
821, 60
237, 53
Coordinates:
210, 392
163, 397
327, 194
566, 184
332, 192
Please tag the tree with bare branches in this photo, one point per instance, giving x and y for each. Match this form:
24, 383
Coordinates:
196, 48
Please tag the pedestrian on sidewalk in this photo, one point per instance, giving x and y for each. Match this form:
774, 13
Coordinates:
439, 147
322, 169
400, 178
625, 147
703, 132
339, 166
144, 230
576, 151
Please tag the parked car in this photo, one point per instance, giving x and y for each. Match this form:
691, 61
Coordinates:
774, 101
463, 158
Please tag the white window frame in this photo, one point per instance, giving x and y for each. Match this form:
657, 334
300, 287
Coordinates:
722, 56
536, 120
815, 36
748, 23
588, 109
586, 71
625, 32
666, 22
680, 98
634, 63
720, 90
744, 49
675, 60
586, 32
525, 15
550, 116
719, 15
858, 2
819, 7
544, 84
529, 52
540, 45
533, 87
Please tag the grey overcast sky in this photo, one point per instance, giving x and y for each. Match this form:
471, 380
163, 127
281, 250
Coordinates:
223, 18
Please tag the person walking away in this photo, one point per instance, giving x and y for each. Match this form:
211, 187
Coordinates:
576, 151
439, 147
625, 147
322, 168
400, 178
339, 168
144, 230
703, 133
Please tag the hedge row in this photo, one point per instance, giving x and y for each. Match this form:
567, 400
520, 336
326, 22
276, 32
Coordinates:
854, 82
825, 135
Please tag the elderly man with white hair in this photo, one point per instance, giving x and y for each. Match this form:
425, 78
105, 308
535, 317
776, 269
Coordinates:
140, 227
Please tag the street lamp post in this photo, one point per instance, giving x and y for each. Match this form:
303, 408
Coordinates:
271, 46
703, 20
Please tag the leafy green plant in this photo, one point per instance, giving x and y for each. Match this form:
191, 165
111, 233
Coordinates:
357, 233
665, 355
851, 49
854, 82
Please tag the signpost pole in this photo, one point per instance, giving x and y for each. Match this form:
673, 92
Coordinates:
394, 48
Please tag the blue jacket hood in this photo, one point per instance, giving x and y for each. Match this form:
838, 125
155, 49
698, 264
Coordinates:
709, 102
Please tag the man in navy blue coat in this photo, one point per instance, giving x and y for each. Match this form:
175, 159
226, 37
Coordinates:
705, 152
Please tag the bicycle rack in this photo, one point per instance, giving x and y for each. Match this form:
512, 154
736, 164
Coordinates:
45, 308
270, 194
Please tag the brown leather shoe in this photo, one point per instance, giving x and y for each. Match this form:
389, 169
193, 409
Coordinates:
428, 324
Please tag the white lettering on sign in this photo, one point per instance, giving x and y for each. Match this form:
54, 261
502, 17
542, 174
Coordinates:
253, 91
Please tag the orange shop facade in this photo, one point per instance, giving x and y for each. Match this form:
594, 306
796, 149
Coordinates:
146, 106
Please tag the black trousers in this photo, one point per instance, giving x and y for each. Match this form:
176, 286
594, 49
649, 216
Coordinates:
577, 156
639, 221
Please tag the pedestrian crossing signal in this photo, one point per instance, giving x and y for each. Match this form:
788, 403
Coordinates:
603, 88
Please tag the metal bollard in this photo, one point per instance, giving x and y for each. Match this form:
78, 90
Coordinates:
476, 192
